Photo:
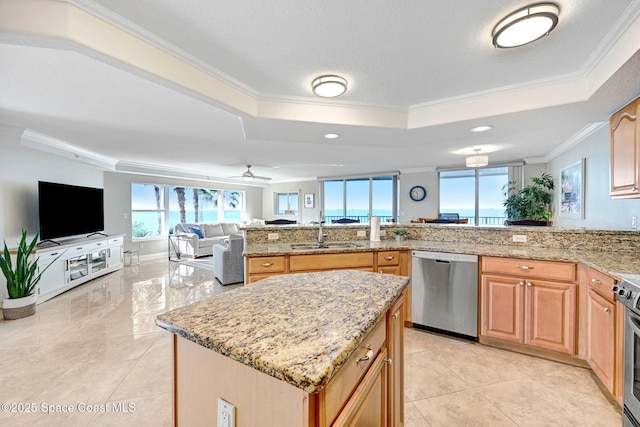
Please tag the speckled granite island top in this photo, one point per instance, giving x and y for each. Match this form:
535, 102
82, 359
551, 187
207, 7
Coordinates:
299, 328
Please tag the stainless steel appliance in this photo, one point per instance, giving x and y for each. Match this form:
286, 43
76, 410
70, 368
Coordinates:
629, 295
444, 293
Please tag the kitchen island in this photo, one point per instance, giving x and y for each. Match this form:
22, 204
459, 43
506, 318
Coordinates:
307, 349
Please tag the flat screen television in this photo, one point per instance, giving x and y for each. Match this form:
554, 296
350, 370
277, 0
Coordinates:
69, 210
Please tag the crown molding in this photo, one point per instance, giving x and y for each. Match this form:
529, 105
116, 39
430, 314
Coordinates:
40, 141
578, 137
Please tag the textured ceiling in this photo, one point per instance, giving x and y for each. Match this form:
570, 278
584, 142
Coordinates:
421, 74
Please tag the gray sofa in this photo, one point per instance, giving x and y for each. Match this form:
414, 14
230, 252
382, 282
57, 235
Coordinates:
228, 262
188, 242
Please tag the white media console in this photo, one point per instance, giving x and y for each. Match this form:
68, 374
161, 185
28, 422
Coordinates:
77, 262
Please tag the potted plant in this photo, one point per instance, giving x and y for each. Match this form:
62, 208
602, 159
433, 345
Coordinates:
532, 204
21, 279
400, 233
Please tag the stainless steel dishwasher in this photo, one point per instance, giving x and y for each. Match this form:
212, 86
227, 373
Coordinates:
444, 293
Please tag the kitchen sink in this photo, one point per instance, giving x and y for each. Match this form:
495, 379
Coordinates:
308, 246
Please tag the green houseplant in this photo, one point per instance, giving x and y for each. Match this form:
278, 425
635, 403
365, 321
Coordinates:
532, 204
400, 233
21, 279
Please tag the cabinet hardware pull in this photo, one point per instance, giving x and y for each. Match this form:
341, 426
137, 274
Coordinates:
524, 267
389, 361
606, 309
521, 283
266, 264
394, 315
634, 188
599, 282
529, 284
389, 258
367, 356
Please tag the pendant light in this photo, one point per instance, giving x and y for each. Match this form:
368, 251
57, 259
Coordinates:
477, 161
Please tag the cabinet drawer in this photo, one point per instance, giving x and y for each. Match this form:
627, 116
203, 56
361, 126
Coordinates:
554, 270
272, 264
114, 241
346, 380
48, 256
388, 258
601, 283
330, 261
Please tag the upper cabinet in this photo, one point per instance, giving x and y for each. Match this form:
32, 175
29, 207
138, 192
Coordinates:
625, 152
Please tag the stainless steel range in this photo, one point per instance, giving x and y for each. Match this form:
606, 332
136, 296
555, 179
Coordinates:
629, 295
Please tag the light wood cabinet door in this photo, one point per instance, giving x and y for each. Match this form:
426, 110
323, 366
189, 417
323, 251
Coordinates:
367, 407
395, 345
390, 270
502, 308
550, 312
601, 338
625, 155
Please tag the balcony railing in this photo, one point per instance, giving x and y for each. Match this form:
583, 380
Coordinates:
361, 218
483, 220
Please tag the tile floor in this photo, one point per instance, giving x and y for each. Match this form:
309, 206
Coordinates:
96, 350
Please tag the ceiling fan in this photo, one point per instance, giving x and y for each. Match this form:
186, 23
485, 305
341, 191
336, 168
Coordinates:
249, 176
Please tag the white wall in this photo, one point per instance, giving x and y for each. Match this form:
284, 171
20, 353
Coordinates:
601, 211
306, 215
117, 193
20, 170
427, 208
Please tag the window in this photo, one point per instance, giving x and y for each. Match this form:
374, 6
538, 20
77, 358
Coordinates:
156, 209
286, 202
476, 194
360, 198
147, 210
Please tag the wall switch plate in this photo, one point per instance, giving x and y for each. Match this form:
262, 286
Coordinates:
124, 215
141, 245
634, 222
273, 236
521, 238
226, 414
362, 233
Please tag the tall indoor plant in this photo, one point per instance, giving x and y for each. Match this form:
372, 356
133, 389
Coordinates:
532, 204
21, 279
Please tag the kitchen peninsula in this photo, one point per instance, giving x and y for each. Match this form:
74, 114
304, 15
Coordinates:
309, 349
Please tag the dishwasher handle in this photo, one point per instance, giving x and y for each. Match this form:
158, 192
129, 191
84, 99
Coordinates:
443, 261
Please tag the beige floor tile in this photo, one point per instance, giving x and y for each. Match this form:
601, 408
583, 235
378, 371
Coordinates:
151, 411
466, 408
427, 377
413, 417
150, 375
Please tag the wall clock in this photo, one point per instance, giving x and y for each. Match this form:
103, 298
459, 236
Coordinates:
417, 193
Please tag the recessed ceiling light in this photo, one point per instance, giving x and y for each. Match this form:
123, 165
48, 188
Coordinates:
482, 128
329, 86
525, 25
332, 135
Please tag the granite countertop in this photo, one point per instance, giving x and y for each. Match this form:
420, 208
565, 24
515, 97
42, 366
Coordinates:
619, 265
299, 328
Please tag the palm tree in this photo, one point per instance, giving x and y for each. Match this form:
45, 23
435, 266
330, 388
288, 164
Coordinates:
196, 204
210, 196
156, 189
231, 197
180, 191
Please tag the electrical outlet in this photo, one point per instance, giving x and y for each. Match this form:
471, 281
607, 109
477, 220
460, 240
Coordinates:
273, 236
141, 245
226, 414
521, 238
634, 222
124, 215
362, 233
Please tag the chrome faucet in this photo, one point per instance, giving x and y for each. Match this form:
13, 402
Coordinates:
321, 234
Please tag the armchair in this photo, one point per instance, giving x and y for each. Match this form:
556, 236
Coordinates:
228, 263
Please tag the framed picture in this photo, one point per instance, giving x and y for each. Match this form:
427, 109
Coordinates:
308, 200
572, 190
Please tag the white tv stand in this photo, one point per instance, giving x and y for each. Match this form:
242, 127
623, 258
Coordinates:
76, 262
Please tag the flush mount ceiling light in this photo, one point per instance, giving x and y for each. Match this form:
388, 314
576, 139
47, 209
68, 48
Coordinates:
477, 160
332, 135
329, 86
482, 128
525, 25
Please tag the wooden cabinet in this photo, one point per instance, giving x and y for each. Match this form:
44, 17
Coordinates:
603, 340
395, 345
625, 152
529, 302
388, 262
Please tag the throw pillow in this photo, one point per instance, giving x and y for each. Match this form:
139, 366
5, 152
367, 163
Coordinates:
229, 228
213, 230
196, 230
